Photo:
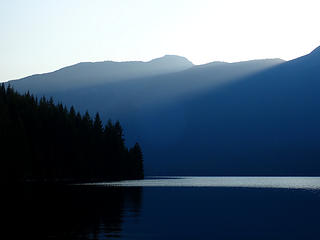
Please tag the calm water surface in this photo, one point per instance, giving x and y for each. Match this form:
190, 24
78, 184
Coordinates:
169, 208
246, 182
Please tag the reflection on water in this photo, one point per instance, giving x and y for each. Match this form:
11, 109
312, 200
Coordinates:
65, 212
247, 182
210, 208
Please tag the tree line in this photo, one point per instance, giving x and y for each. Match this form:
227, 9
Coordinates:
46, 142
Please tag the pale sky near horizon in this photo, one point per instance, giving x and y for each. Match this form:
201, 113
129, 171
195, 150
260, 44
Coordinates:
38, 36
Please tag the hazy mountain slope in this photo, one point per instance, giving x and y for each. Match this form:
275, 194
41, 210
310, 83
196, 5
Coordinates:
122, 99
265, 124
91, 74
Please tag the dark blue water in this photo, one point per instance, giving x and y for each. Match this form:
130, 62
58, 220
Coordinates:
167, 212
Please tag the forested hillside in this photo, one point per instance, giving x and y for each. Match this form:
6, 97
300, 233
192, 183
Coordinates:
44, 142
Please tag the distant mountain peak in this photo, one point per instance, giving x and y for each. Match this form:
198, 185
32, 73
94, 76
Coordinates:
172, 59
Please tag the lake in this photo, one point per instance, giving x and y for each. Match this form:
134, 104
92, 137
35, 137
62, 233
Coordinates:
167, 208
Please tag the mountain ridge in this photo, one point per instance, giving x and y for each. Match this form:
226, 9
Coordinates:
85, 74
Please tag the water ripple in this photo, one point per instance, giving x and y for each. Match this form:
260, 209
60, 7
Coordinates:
312, 183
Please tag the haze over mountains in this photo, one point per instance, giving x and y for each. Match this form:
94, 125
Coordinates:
257, 117
88, 74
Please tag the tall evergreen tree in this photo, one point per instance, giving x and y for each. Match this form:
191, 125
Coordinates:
136, 161
97, 125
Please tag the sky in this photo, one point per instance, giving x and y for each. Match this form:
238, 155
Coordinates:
39, 36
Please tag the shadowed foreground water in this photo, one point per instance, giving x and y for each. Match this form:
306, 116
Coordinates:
204, 208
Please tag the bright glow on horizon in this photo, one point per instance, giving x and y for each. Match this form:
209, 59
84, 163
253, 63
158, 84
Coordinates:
41, 36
